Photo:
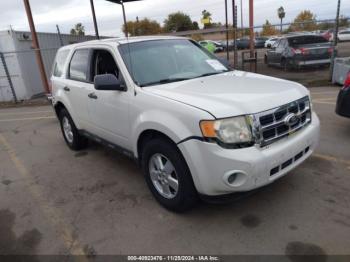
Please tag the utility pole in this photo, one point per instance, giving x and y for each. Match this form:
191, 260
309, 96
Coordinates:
59, 35
94, 18
227, 48
241, 15
335, 42
234, 25
124, 17
36, 47
251, 27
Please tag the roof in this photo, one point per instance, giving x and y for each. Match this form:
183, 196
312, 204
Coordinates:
124, 40
119, 1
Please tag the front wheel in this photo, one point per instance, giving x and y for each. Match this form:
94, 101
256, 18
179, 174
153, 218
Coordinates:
168, 176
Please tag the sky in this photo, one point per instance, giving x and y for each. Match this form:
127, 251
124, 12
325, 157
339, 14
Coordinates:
66, 13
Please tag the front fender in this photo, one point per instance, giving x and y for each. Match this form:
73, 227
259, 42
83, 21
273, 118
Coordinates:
166, 123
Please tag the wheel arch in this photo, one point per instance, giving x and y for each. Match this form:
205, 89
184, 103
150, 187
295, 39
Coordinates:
147, 135
59, 105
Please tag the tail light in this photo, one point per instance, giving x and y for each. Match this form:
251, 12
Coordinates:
347, 83
301, 51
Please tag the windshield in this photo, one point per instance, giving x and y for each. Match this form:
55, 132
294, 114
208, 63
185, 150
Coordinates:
164, 61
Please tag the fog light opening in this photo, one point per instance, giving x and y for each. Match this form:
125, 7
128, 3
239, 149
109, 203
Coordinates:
235, 178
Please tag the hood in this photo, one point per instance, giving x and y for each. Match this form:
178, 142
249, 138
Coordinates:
233, 93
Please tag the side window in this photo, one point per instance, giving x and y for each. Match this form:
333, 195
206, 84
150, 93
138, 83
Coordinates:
276, 44
103, 63
285, 43
60, 61
78, 68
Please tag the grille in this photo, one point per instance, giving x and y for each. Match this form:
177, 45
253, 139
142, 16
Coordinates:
274, 124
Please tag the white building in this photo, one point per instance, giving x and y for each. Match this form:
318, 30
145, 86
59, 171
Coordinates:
21, 62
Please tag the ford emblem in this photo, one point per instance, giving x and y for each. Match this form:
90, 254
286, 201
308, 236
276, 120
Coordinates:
291, 119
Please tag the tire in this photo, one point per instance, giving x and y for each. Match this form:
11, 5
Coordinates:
162, 185
285, 64
266, 61
74, 140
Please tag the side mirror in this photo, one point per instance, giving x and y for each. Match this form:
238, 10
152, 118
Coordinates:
108, 82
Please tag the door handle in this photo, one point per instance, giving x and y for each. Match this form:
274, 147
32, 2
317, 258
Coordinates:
92, 96
66, 88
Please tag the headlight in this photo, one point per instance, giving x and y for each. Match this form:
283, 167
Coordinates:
231, 131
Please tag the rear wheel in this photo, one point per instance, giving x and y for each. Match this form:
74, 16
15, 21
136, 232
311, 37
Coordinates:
266, 60
71, 135
168, 176
285, 64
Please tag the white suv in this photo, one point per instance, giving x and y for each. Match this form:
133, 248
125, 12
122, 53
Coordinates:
196, 128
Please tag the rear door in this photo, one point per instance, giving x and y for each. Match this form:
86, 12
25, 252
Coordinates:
76, 83
271, 53
280, 50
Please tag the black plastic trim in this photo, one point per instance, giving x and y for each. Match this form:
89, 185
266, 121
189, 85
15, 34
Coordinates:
108, 144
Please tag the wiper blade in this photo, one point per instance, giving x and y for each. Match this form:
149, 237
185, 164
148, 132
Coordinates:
213, 73
165, 81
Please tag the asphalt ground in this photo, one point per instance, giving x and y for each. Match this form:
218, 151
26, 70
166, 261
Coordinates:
55, 201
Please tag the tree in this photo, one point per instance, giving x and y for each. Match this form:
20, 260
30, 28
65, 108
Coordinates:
281, 14
305, 21
177, 22
195, 25
143, 27
78, 29
268, 29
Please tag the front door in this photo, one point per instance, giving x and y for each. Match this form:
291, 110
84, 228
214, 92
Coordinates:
108, 110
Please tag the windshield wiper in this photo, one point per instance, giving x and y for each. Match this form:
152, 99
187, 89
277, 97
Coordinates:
165, 81
213, 73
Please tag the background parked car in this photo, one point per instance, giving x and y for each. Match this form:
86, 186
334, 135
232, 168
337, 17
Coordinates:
270, 42
212, 46
295, 51
344, 35
243, 43
329, 35
343, 101
260, 42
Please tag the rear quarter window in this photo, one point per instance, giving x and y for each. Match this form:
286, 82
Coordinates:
59, 63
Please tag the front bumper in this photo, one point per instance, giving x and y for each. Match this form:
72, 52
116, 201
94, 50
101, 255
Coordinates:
211, 165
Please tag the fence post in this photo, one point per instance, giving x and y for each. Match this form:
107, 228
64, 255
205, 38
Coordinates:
2, 57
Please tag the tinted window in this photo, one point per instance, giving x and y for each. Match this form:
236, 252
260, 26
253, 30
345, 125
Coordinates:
305, 40
59, 62
79, 65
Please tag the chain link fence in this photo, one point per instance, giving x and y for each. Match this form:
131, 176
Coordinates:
19, 73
